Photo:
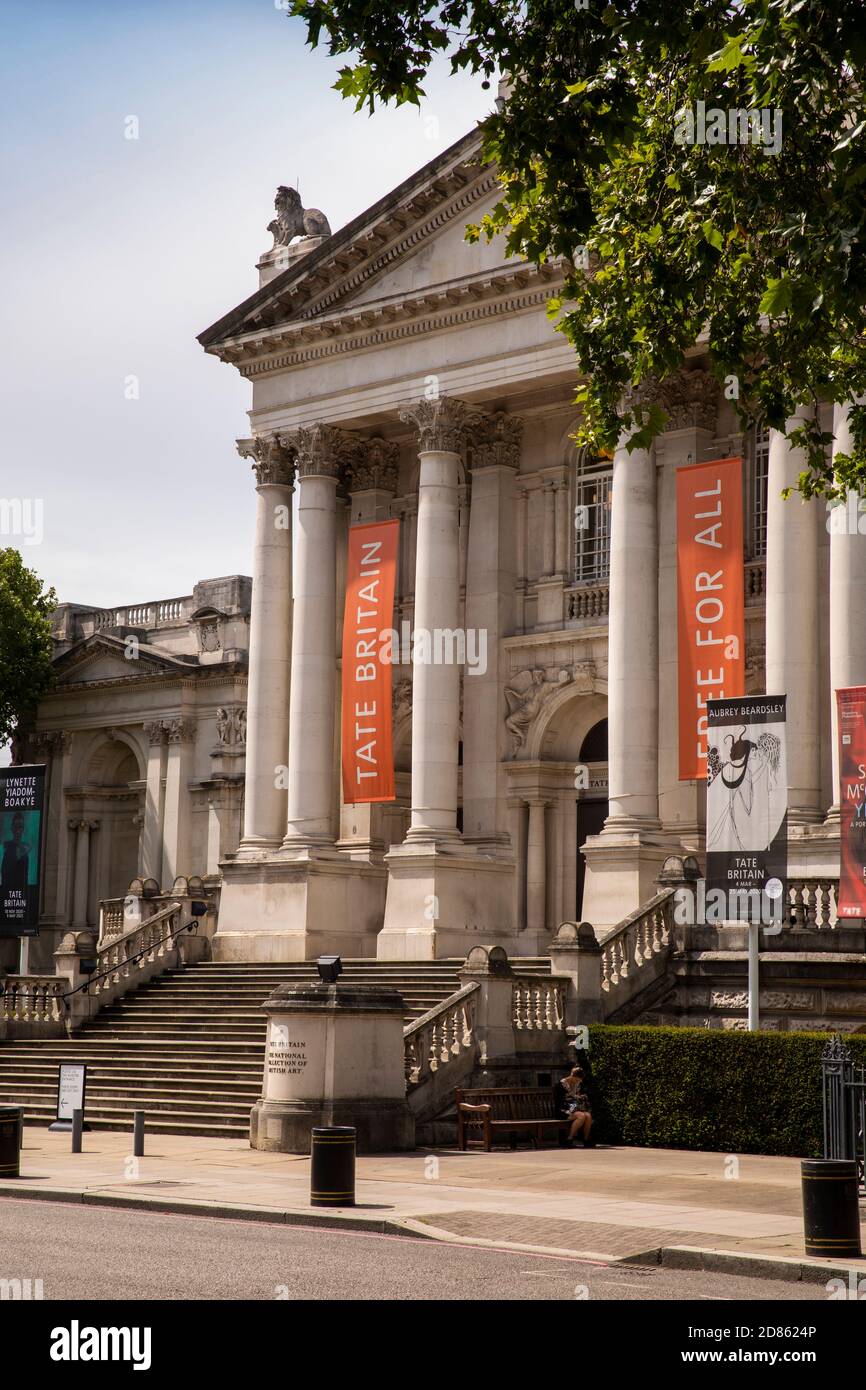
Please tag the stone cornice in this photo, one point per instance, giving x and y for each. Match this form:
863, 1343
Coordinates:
378, 325
210, 675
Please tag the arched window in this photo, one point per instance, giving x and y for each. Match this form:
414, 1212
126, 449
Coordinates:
592, 488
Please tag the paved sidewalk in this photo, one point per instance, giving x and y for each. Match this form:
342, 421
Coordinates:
606, 1203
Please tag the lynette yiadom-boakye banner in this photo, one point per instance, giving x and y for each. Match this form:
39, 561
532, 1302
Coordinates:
851, 719
710, 613
368, 755
747, 807
22, 791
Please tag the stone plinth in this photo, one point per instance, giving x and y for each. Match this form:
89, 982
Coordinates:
334, 1056
443, 900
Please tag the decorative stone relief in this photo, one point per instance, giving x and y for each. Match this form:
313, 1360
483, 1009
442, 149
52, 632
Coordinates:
376, 466
792, 999
322, 450
402, 698
525, 699
729, 999
846, 1002
231, 726
690, 399
293, 219
156, 731
273, 462
208, 636
441, 424
496, 439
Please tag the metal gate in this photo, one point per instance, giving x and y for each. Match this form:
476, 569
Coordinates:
844, 1087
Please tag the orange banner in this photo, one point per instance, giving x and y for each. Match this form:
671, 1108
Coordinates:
368, 755
710, 618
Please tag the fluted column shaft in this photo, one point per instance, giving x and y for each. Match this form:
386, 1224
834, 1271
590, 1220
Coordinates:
82, 871
792, 621
536, 867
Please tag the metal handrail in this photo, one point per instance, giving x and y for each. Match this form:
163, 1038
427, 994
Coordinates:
191, 927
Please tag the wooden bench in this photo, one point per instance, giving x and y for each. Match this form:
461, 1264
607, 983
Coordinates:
511, 1111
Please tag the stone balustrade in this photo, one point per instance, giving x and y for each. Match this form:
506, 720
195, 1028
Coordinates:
636, 953
588, 602
755, 580
813, 902
33, 1006
538, 1005
439, 1037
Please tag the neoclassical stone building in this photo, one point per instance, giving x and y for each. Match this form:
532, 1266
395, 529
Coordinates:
398, 371
144, 736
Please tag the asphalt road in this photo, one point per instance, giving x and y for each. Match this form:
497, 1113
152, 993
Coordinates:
85, 1253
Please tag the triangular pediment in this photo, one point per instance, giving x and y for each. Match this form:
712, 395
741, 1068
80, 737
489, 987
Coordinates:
405, 257
105, 658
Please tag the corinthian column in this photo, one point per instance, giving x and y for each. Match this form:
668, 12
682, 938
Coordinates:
270, 639
320, 450
436, 689
847, 594
792, 620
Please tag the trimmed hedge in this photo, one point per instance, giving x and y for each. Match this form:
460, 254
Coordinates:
692, 1088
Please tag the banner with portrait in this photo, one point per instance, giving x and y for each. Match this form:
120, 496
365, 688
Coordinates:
851, 720
747, 806
22, 793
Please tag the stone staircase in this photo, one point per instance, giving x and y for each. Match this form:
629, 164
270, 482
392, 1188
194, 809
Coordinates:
188, 1048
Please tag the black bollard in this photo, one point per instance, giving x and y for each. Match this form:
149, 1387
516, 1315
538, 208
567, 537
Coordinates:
831, 1214
138, 1133
77, 1127
10, 1141
332, 1166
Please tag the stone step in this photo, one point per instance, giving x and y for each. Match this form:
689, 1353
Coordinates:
175, 1124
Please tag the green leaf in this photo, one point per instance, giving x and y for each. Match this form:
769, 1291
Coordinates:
777, 297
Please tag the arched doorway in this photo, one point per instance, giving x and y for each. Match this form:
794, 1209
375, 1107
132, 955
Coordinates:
592, 798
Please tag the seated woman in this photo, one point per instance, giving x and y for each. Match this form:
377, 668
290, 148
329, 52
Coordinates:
577, 1108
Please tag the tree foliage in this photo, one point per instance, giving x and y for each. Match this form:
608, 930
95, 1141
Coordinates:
25, 641
759, 253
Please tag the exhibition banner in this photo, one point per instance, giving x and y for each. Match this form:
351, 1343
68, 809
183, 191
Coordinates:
747, 808
851, 719
710, 611
22, 793
368, 755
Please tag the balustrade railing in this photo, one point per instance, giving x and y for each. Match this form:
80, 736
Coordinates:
126, 961
813, 902
755, 579
538, 1005
637, 950
33, 1004
587, 602
439, 1038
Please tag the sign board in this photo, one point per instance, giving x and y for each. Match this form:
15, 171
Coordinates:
747, 808
851, 707
71, 1081
22, 791
368, 756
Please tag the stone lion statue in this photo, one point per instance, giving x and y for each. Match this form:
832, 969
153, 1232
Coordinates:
293, 219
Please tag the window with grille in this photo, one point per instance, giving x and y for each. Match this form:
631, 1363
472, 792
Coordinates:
757, 473
592, 489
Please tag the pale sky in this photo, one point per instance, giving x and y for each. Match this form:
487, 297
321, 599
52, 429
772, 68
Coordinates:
119, 251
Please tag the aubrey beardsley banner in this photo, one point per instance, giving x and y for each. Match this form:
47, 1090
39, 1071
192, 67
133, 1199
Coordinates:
22, 791
368, 756
851, 711
747, 807
710, 615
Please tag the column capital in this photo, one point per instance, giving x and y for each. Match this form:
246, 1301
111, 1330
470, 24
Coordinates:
442, 424
321, 450
88, 825
273, 462
496, 440
156, 731
180, 730
375, 466
689, 398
